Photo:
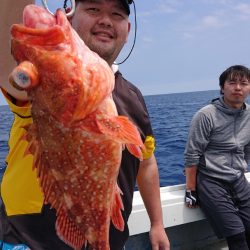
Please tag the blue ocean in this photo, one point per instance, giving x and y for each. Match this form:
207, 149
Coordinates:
170, 114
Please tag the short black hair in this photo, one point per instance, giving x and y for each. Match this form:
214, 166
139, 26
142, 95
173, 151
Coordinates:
232, 73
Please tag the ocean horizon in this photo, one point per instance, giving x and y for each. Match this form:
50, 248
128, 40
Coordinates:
4, 103
170, 116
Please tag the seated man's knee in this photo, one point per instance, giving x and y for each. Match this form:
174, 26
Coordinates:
237, 242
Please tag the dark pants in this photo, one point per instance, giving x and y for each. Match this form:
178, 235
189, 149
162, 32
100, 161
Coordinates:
31, 230
226, 205
37, 231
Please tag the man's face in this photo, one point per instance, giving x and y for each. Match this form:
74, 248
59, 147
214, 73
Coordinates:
103, 25
236, 91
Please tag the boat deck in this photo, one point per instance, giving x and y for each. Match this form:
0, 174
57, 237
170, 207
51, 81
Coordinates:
191, 236
187, 229
222, 245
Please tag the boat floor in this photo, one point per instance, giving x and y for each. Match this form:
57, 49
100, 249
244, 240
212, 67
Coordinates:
191, 236
218, 245
221, 245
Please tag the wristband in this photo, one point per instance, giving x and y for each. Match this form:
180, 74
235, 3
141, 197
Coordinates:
191, 198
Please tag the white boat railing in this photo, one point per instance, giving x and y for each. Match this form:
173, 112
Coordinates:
174, 210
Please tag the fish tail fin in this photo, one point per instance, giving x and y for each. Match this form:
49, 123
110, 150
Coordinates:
68, 232
120, 128
117, 206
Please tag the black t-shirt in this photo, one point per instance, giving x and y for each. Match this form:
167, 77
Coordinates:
129, 102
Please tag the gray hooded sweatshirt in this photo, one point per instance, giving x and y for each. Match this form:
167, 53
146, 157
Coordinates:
219, 141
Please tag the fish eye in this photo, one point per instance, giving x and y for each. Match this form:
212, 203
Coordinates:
22, 79
24, 76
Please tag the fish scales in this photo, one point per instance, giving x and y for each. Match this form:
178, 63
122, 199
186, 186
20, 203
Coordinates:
76, 136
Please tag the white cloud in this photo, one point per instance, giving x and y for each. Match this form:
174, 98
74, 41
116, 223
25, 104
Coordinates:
187, 35
164, 8
243, 10
168, 6
147, 39
216, 2
212, 21
142, 14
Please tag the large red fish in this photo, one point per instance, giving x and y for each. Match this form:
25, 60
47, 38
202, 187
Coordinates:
76, 136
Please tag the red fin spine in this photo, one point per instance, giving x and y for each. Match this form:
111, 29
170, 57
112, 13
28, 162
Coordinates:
120, 128
68, 232
117, 206
135, 150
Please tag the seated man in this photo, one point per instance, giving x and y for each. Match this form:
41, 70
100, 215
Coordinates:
216, 157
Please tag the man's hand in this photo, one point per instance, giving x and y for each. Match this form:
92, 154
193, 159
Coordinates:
191, 199
158, 237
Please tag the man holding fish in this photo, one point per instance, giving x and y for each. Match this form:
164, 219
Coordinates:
32, 195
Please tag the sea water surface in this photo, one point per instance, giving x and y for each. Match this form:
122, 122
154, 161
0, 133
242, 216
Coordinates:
170, 115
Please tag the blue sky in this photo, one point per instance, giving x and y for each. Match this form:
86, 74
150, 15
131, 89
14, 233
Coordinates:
184, 45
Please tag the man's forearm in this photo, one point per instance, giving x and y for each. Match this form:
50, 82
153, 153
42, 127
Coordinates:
191, 173
148, 183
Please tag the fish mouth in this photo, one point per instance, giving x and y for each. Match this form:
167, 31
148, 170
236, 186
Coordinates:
42, 37
39, 27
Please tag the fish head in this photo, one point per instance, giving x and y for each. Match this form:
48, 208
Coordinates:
43, 48
39, 33
68, 80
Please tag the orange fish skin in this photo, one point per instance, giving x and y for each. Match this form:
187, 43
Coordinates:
76, 137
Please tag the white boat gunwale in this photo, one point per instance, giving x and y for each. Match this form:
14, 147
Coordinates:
173, 208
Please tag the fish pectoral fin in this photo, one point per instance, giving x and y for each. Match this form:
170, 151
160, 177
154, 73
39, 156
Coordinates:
120, 128
117, 206
135, 151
